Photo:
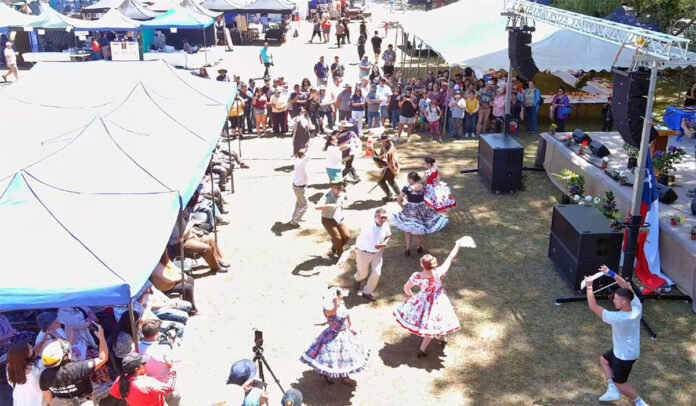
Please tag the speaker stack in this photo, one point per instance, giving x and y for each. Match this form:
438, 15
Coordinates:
581, 241
500, 162
520, 53
629, 102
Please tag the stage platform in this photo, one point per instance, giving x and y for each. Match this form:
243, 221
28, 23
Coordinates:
677, 250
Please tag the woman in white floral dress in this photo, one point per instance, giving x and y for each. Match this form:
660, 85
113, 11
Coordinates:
429, 312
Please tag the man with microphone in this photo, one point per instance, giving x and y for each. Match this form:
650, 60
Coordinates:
625, 328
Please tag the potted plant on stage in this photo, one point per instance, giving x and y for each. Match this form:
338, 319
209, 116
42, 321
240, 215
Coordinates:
632, 153
605, 162
568, 140
575, 185
664, 163
677, 219
552, 128
581, 150
623, 178
693, 232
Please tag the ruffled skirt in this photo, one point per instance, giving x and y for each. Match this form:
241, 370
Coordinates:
418, 219
336, 354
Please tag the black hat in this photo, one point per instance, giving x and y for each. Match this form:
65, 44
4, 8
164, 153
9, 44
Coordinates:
133, 360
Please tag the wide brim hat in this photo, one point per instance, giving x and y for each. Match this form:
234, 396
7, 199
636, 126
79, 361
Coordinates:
344, 123
384, 137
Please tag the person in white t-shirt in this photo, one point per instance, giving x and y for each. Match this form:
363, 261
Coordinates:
383, 93
625, 330
374, 236
299, 184
10, 61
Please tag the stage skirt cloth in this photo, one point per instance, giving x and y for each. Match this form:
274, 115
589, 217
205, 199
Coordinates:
418, 219
337, 352
428, 313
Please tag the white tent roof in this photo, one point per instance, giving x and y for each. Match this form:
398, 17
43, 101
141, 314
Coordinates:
103, 5
113, 20
482, 42
10, 17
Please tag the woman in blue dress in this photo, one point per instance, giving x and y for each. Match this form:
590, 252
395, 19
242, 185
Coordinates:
337, 352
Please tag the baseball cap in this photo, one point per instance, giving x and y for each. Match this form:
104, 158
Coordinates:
241, 372
133, 360
291, 397
54, 353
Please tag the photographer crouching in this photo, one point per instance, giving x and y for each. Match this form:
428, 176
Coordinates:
65, 382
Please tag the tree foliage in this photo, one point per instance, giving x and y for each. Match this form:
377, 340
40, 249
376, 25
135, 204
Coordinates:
662, 12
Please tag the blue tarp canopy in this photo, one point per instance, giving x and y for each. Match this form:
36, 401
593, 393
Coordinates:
89, 252
180, 18
624, 16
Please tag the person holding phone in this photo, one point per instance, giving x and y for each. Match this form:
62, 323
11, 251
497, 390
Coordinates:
337, 352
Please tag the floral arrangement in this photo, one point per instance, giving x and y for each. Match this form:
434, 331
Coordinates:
608, 208
664, 161
623, 178
605, 162
677, 219
568, 140
552, 128
583, 145
693, 232
631, 151
575, 184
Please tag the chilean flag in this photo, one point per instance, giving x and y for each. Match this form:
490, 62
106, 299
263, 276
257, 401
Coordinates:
648, 251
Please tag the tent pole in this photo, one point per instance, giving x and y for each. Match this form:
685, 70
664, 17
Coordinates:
508, 92
445, 127
427, 62
410, 58
181, 249
437, 66
229, 147
134, 326
212, 195
681, 83
206, 53
403, 50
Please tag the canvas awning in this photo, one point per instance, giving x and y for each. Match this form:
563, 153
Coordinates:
180, 18
10, 17
224, 5
197, 8
89, 253
103, 6
113, 20
133, 9
52, 19
268, 6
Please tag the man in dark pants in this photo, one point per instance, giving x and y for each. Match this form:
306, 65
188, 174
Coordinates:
376, 46
607, 116
625, 331
387, 159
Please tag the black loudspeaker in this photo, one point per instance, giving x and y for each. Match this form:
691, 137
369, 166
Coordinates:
666, 194
629, 102
693, 206
521, 54
579, 136
581, 241
599, 149
500, 162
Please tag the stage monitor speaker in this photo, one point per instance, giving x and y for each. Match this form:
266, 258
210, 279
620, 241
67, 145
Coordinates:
520, 53
630, 89
579, 136
599, 149
581, 241
693, 206
500, 162
666, 194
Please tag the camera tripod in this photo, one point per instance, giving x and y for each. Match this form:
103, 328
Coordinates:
261, 361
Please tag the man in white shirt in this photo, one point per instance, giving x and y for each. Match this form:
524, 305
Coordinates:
160, 357
369, 246
383, 93
10, 61
625, 331
299, 184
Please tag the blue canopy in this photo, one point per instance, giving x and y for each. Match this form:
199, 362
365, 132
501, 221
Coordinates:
89, 250
623, 16
180, 18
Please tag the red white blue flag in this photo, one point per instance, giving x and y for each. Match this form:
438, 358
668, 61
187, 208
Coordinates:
648, 253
